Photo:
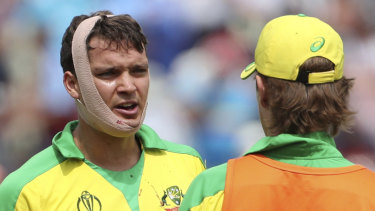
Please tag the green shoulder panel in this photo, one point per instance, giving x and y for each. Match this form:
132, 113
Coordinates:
180, 148
206, 184
150, 139
13, 184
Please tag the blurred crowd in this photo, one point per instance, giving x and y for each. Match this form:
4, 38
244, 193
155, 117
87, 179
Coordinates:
196, 50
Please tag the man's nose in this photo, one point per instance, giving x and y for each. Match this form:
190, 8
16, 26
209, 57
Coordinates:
125, 83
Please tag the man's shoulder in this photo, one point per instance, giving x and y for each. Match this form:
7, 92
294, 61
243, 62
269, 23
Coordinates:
212, 179
152, 141
179, 148
207, 190
35, 166
364, 179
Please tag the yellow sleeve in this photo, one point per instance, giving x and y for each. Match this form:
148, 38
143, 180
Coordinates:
212, 203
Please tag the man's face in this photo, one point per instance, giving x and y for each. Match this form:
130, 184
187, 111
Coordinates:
121, 77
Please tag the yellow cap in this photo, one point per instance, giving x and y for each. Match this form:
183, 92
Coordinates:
285, 43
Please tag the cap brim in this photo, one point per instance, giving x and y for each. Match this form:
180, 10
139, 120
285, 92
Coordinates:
250, 69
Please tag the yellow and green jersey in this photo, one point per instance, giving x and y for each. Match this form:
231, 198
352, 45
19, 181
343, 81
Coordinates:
287, 155
60, 178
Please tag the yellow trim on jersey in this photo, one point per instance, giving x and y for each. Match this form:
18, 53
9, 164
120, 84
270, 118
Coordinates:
212, 203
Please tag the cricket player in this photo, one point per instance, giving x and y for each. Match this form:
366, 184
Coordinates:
303, 103
108, 159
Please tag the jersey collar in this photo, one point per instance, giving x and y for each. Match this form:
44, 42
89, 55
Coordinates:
316, 145
64, 142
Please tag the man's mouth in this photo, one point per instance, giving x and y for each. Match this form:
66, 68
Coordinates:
127, 110
127, 106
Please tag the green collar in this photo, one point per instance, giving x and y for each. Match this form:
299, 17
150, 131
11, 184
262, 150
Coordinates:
317, 149
64, 143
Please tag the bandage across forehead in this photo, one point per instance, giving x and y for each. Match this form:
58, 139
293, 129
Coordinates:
93, 109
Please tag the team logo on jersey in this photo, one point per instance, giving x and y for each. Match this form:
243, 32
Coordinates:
174, 195
88, 202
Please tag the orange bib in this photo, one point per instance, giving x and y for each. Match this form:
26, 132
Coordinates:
255, 182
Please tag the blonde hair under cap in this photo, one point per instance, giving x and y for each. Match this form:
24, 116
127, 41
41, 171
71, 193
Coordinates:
94, 110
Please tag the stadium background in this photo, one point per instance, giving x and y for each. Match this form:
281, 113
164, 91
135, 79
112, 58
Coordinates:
197, 50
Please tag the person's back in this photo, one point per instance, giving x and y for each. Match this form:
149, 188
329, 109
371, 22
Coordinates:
264, 184
302, 97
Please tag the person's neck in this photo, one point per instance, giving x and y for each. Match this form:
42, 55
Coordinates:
108, 152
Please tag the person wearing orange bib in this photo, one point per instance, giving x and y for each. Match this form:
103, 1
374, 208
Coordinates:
107, 160
303, 103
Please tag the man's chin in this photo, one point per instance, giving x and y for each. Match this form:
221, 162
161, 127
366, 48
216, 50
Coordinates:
134, 123
122, 133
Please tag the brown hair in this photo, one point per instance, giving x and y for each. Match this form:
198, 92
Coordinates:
121, 29
297, 108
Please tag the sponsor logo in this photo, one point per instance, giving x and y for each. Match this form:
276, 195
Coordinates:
88, 202
318, 44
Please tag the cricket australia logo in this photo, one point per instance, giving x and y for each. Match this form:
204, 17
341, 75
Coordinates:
88, 202
172, 194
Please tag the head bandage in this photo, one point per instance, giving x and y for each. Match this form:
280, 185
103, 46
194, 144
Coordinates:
94, 110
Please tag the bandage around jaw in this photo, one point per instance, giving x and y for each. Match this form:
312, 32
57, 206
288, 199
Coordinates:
93, 109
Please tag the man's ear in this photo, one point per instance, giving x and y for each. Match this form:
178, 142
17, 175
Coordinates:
261, 88
71, 85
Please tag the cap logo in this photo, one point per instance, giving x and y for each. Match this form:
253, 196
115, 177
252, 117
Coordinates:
317, 45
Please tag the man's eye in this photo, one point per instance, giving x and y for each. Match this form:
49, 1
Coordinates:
139, 70
105, 74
